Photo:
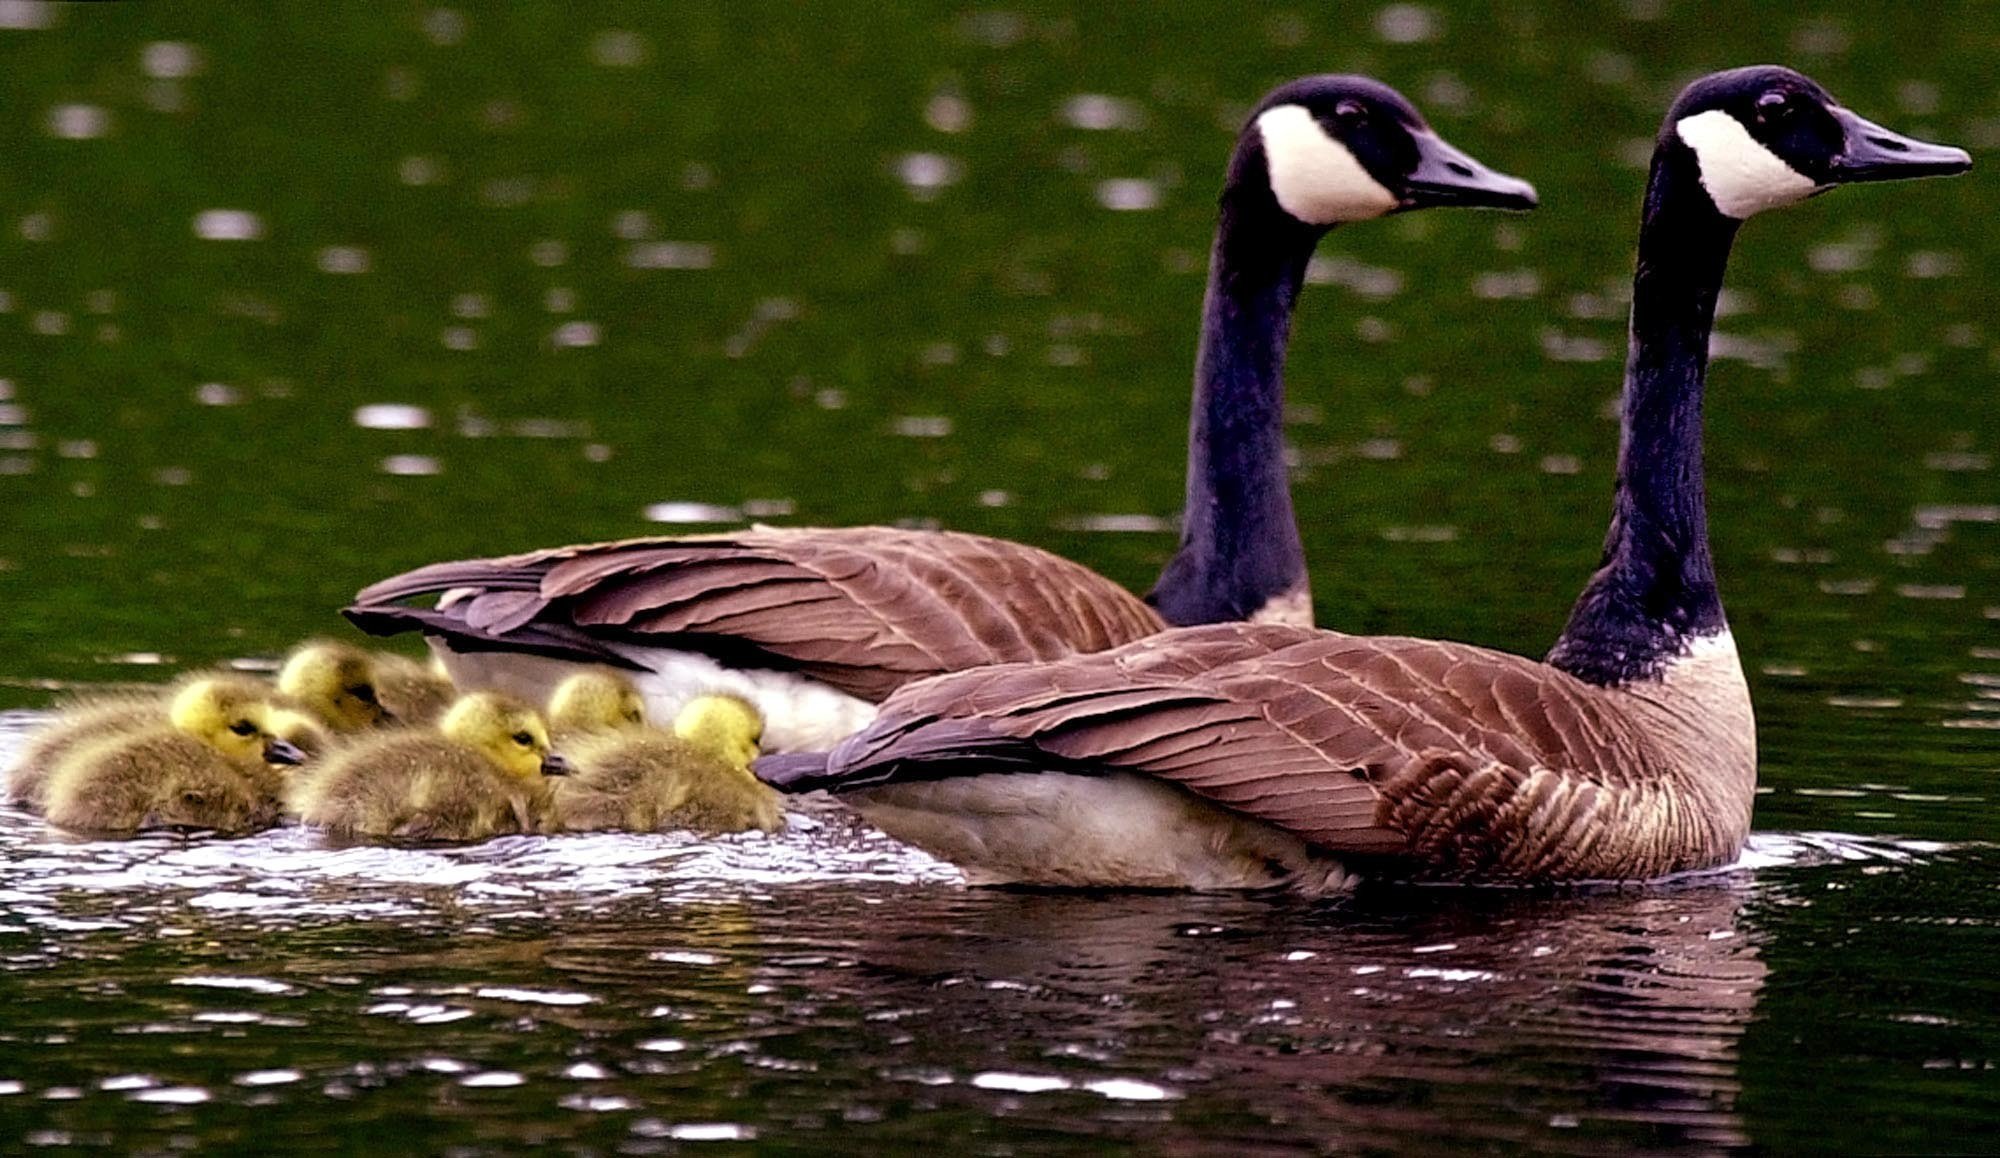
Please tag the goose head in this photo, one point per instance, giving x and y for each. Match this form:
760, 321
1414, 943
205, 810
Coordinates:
507, 732
1334, 149
337, 681
1766, 136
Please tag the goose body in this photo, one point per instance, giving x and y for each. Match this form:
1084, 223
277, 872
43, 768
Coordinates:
817, 625
1629, 754
478, 775
205, 763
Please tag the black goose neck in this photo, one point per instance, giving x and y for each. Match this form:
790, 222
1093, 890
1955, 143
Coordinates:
1655, 590
1240, 546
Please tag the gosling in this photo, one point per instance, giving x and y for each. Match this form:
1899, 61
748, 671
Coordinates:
481, 773
412, 691
103, 715
208, 765
638, 779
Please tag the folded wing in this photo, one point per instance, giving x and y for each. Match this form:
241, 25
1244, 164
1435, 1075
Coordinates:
863, 609
1476, 762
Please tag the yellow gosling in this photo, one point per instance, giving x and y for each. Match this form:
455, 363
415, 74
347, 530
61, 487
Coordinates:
481, 773
413, 692
302, 730
94, 716
207, 765
336, 682
595, 701
640, 779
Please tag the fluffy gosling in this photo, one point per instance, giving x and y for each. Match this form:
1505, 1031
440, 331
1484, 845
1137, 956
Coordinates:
634, 778
102, 715
481, 773
208, 765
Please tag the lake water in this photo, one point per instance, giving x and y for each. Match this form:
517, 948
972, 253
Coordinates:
293, 302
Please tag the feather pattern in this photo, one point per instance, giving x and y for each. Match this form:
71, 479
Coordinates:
861, 609
1467, 763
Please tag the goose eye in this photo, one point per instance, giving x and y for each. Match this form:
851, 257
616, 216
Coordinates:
1351, 112
1773, 107
524, 739
243, 728
363, 692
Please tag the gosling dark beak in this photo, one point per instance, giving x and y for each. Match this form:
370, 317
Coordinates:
553, 764
1446, 177
1873, 153
278, 751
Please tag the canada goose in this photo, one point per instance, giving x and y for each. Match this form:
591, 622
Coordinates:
480, 773
106, 714
1250, 755
631, 777
208, 764
816, 625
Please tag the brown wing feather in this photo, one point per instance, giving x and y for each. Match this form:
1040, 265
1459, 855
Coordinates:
1474, 762
865, 609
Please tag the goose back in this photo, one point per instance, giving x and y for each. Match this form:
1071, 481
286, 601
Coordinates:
861, 609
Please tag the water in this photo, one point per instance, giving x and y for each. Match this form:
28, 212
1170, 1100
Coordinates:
289, 304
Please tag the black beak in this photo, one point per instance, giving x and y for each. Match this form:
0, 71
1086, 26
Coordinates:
553, 764
278, 751
1873, 153
1446, 177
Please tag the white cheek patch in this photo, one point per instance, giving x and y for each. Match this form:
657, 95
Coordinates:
1741, 175
1315, 178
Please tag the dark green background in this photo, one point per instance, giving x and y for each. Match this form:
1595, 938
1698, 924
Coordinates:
1056, 336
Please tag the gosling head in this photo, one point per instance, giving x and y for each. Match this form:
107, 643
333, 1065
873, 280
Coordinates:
1333, 149
596, 702
337, 680
1766, 136
727, 725
233, 717
300, 730
507, 732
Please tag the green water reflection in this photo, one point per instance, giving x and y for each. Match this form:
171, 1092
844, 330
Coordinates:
862, 263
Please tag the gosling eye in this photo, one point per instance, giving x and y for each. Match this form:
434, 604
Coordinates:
1774, 108
243, 728
524, 739
363, 692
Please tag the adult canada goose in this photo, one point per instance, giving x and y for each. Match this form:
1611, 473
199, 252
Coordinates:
207, 763
480, 773
626, 775
815, 625
1254, 755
